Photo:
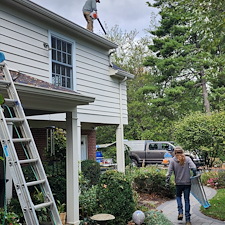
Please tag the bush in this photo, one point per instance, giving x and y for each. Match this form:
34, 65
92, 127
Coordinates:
8, 218
156, 218
214, 179
91, 171
151, 180
115, 196
88, 203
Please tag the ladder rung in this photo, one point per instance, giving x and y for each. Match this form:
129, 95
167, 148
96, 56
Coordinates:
42, 205
28, 161
21, 140
15, 120
33, 183
4, 82
10, 102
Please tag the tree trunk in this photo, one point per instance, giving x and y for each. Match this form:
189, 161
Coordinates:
205, 94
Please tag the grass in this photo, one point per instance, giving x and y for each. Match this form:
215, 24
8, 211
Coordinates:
217, 209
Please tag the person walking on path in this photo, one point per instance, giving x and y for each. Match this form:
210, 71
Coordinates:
90, 12
181, 166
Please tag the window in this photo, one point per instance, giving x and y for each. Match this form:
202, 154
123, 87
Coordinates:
62, 66
153, 146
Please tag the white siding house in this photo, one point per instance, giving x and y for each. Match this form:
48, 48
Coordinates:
50, 48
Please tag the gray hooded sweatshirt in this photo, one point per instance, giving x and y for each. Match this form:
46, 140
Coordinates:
182, 172
90, 6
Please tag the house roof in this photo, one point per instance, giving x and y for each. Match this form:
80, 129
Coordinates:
40, 97
35, 10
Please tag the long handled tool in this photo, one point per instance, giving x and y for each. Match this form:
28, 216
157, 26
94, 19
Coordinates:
101, 25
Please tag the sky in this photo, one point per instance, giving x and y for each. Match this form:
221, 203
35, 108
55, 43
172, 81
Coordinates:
127, 14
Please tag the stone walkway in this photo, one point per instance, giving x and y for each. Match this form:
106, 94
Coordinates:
169, 209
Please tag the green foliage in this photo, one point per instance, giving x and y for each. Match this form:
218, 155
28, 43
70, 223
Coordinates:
145, 180
106, 134
217, 209
115, 196
91, 171
153, 217
55, 166
214, 179
8, 218
202, 132
88, 203
14, 206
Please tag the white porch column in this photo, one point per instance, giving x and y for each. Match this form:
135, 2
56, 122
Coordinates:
120, 149
72, 157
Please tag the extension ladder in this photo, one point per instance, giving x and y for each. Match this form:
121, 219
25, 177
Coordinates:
23, 185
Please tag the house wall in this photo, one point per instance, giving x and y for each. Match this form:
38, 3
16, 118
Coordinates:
22, 38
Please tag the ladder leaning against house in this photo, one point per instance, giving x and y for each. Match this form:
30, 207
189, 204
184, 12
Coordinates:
11, 112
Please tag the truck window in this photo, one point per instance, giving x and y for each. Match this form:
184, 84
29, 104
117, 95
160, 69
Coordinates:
153, 147
165, 146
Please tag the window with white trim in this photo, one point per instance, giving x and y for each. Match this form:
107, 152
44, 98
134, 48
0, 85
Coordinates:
62, 63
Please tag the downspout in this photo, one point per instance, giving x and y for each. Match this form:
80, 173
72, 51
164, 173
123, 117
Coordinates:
120, 134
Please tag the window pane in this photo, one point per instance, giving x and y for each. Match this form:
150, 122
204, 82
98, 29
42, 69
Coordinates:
68, 83
64, 46
53, 42
63, 70
58, 56
63, 82
69, 60
54, 54
69, 48
58, 44
64, 58
57, 69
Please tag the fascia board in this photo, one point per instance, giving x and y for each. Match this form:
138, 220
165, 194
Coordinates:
60, 95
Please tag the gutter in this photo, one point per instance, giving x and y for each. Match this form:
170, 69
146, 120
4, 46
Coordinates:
66, 96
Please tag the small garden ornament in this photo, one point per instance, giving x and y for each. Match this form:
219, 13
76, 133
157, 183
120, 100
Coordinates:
138, 217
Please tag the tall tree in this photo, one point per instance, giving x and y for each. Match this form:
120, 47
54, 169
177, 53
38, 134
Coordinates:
183, 56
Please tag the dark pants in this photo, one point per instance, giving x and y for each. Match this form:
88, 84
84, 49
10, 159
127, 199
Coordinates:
186, 190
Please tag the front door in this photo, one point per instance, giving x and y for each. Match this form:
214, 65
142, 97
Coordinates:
84, 150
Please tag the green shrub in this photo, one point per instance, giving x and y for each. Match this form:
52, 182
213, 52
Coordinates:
91, 171
8, 218
221, 179
88, 203
151, 180
205, 177
214, 179
156, 218
115, 196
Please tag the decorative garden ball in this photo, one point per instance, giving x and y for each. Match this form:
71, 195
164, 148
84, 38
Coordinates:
138, 217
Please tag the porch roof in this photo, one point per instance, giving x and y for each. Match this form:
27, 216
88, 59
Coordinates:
40, 97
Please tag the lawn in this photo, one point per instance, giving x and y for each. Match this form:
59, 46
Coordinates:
217, 209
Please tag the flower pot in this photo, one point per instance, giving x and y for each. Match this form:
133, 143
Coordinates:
63, 218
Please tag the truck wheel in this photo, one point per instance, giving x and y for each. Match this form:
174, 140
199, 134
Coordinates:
134, 162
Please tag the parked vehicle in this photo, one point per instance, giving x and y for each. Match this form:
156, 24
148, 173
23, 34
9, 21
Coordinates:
143, 152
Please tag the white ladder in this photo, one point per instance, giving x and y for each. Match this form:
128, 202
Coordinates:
17, 117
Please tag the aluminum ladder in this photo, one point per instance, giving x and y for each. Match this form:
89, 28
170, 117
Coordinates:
24, 138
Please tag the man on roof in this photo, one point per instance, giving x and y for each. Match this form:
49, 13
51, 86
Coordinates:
90, 12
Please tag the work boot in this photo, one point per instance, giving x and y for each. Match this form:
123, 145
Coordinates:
180, 217
188, 223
